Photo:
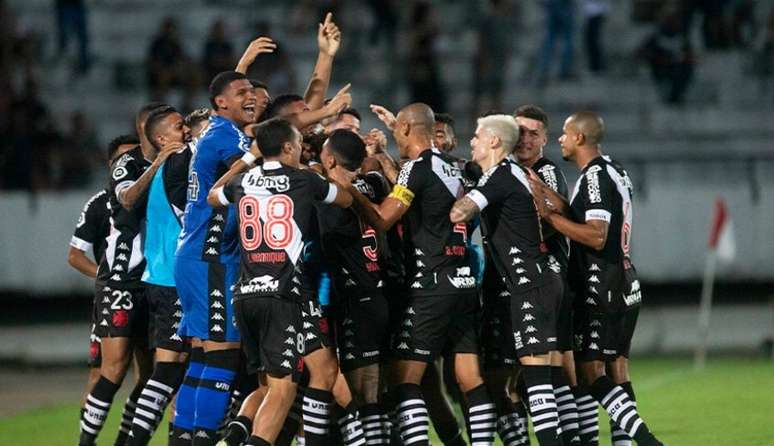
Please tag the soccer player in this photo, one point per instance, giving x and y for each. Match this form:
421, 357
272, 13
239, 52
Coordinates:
275, 206
165, 205
122, 305
512, 227
443, 303
352, 250
444, 138
533, 126
598, 221
90, 233
206, 265
348, 119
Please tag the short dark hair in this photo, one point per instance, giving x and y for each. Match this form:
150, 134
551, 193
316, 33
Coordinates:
154, 119
315, 141
277, 104
258, 84
351, 111
271, 135
445, 118
121, 140
142, 113
530, 111
348, 148
197, 116
220, 82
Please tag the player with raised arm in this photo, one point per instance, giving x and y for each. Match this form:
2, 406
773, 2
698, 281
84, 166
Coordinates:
533, 126
443, 303
598, 221
207, 263
123, 323
511, 225
164, 210
275, 207
90, 233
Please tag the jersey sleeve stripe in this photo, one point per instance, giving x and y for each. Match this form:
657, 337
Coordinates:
479, 199
120, 187
598, 214
80, 244
332, 192
222, 196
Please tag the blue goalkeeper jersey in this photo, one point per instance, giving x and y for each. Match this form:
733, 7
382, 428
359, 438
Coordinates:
211, 234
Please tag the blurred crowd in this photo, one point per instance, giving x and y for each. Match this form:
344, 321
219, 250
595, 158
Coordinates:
36, 148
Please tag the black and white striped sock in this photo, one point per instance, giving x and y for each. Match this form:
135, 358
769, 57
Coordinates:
588, 417
618, 436
153, 400
521, 411
511, 430
542, 403
351, 429
317, 416
128, 415
622, 411
413, 421
95, 411
482, 416
566, 407
373, 426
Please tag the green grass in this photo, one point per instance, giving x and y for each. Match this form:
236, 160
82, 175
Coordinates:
730, 403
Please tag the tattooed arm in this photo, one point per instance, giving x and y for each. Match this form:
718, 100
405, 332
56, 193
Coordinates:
464, 209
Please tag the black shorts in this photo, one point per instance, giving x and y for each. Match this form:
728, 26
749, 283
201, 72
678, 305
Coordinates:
315, 326
361, 329
164, 314
432, 324
534, 316
564, 329
497, 345
272, 338
605, 336
122, 312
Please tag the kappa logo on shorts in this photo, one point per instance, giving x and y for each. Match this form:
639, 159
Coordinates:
287, 353
286, 364
175, 337
594, 267
349, 356
517, 261
532, 340
504, 293
590, 301
123, 247
121, 257
530, 329
420, 264
290, 329
595, 323
523, 280
212, 239
593, 289
216, 293
593, 346
218, 217
514, 250
528, 317
416, 285
217, 328
310, 336
594, 335
295, 291
216, 228
348, 333
593, 278
217, 317
115, 277
403, 346
418, 252
211, 251
307, 325
526, 306
290, 341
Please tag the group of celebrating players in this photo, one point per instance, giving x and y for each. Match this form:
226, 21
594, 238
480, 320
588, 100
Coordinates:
289, 276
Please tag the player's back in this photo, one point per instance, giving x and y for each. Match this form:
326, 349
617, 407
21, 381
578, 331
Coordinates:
437, 258
275, 206
210, 234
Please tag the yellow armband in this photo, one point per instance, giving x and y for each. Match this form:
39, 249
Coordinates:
402, 194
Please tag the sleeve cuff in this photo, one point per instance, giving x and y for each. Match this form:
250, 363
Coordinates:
80, 244
598, 214
248, 158
332, 192
478, 198
222, 196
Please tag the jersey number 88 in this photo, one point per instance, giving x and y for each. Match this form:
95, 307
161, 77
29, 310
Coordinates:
277, 231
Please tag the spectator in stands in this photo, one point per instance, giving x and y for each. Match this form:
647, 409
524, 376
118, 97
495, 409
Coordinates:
274, 69
72, 19
715, 29
495, 28
80, 155
670, 56
594, 15
169, 66
764, 57
218, 54
423, 73
559, 25
385, 21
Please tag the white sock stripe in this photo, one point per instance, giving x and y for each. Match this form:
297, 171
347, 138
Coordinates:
635, 427
613, 394
539, 427
315, 430
589, 430
627, 417
142, 424
165, 388
89, 429
571, 426
97, 402
563, 398
481, 407
548, 388
411, 402
487, 416
622, 442
312, 420
419, 412
567, 408
97, 410
152, 395
144, 413
148, 404
485, 434
537, 418
416, 439
422, 429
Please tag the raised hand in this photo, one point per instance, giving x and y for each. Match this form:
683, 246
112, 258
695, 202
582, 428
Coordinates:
384, 115
375, 141
342, 99
261, 45
328, 36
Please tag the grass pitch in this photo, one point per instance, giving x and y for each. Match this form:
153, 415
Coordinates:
730, 403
